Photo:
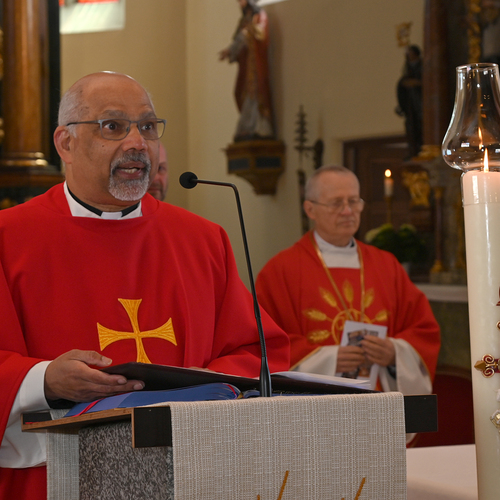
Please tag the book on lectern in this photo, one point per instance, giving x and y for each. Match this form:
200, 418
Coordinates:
420, 411
162, 377
165, 384
205, 392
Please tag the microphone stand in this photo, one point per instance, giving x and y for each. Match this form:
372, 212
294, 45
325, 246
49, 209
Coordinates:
189, 180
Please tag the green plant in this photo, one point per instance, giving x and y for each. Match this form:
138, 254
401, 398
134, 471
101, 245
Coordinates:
404, 242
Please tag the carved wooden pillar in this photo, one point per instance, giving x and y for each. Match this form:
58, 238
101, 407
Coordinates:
443, 50
435, 77
30, 76
24, 38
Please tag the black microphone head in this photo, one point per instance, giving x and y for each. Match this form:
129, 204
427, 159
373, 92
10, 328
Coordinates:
188, 180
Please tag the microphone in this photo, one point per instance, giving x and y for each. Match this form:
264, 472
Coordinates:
189, 180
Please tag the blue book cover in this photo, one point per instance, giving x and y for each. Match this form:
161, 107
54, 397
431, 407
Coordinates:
205, 392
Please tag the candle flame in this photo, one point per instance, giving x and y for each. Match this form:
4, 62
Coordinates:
486, 167
388, 173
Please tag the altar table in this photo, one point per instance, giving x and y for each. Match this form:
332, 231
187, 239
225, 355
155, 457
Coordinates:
442, 473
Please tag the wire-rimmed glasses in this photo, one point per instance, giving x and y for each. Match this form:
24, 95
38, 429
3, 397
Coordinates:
116, 129
336, 206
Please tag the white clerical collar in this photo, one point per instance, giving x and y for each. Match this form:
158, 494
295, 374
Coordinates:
338, 256
79, 210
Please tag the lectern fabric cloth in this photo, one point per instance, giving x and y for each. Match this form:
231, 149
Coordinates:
164, 285
294, 289
317, 447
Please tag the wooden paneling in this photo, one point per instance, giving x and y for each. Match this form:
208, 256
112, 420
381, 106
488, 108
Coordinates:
369, 158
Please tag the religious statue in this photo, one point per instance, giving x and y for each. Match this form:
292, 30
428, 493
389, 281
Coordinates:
419, 187
409, 94
249, 48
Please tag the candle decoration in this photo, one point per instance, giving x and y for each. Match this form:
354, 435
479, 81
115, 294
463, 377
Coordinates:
495, 419
388, 183
472, 144
488, 366
388, 192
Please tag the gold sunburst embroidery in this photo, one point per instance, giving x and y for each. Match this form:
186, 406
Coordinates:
369, 298
381, 316
317, 336
328, 297
315, 315
341, 315
348, 291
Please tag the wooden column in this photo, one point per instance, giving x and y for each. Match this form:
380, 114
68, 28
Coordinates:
435, 77
444, 44
30, 91
25, 38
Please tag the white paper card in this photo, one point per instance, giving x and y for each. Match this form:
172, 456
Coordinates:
353, 334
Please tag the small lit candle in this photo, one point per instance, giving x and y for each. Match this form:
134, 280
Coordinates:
388, 184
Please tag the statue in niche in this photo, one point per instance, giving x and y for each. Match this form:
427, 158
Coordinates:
409, 94
249, 48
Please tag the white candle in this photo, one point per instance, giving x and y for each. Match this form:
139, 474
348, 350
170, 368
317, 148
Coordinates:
481, 201
388, 184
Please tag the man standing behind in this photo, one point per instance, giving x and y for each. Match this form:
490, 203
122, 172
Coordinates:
328, 277
97, 272
159, 186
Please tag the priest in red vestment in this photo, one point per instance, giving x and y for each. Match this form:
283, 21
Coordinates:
327, 278
97, 272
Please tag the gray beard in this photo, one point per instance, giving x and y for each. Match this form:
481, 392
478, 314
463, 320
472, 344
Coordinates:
130, 190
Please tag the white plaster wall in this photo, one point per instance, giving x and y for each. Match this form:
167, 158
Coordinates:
338, 58
151, 49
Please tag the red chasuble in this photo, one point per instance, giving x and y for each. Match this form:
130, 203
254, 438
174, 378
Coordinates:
162, 288
293, 287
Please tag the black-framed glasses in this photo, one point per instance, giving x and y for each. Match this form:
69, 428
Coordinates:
336, 206
116, 129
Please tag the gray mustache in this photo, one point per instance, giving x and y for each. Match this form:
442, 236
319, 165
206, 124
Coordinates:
136, 157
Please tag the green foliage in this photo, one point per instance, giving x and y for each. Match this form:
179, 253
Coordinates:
404, 243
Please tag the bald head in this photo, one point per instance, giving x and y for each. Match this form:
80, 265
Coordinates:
313, 184
73, 106
333, 203
105, 172
159, 186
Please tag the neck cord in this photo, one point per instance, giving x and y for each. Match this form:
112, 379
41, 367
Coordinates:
334, 285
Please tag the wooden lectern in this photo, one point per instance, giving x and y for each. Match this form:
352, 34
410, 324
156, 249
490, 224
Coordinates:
341, 446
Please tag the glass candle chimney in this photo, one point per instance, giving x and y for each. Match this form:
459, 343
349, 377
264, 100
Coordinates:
475, 123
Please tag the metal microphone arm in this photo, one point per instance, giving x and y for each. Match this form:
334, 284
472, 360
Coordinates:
189, 181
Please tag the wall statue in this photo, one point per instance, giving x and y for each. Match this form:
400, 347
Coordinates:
249, 48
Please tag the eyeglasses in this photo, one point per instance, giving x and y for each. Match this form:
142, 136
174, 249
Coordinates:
336, 206
116, 129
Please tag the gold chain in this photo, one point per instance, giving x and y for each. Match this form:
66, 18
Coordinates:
334, 285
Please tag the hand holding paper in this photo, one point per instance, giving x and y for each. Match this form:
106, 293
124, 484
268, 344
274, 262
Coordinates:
379, 350
367, 337
349, 358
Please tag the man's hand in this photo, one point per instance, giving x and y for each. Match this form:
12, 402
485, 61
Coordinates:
349, 358
70, 377
379, 351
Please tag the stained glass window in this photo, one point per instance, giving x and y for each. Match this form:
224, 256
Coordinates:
86, 16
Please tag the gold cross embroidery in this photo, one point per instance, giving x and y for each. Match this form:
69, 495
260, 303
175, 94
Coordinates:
108, 336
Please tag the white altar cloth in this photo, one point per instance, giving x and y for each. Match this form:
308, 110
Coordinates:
442, 473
